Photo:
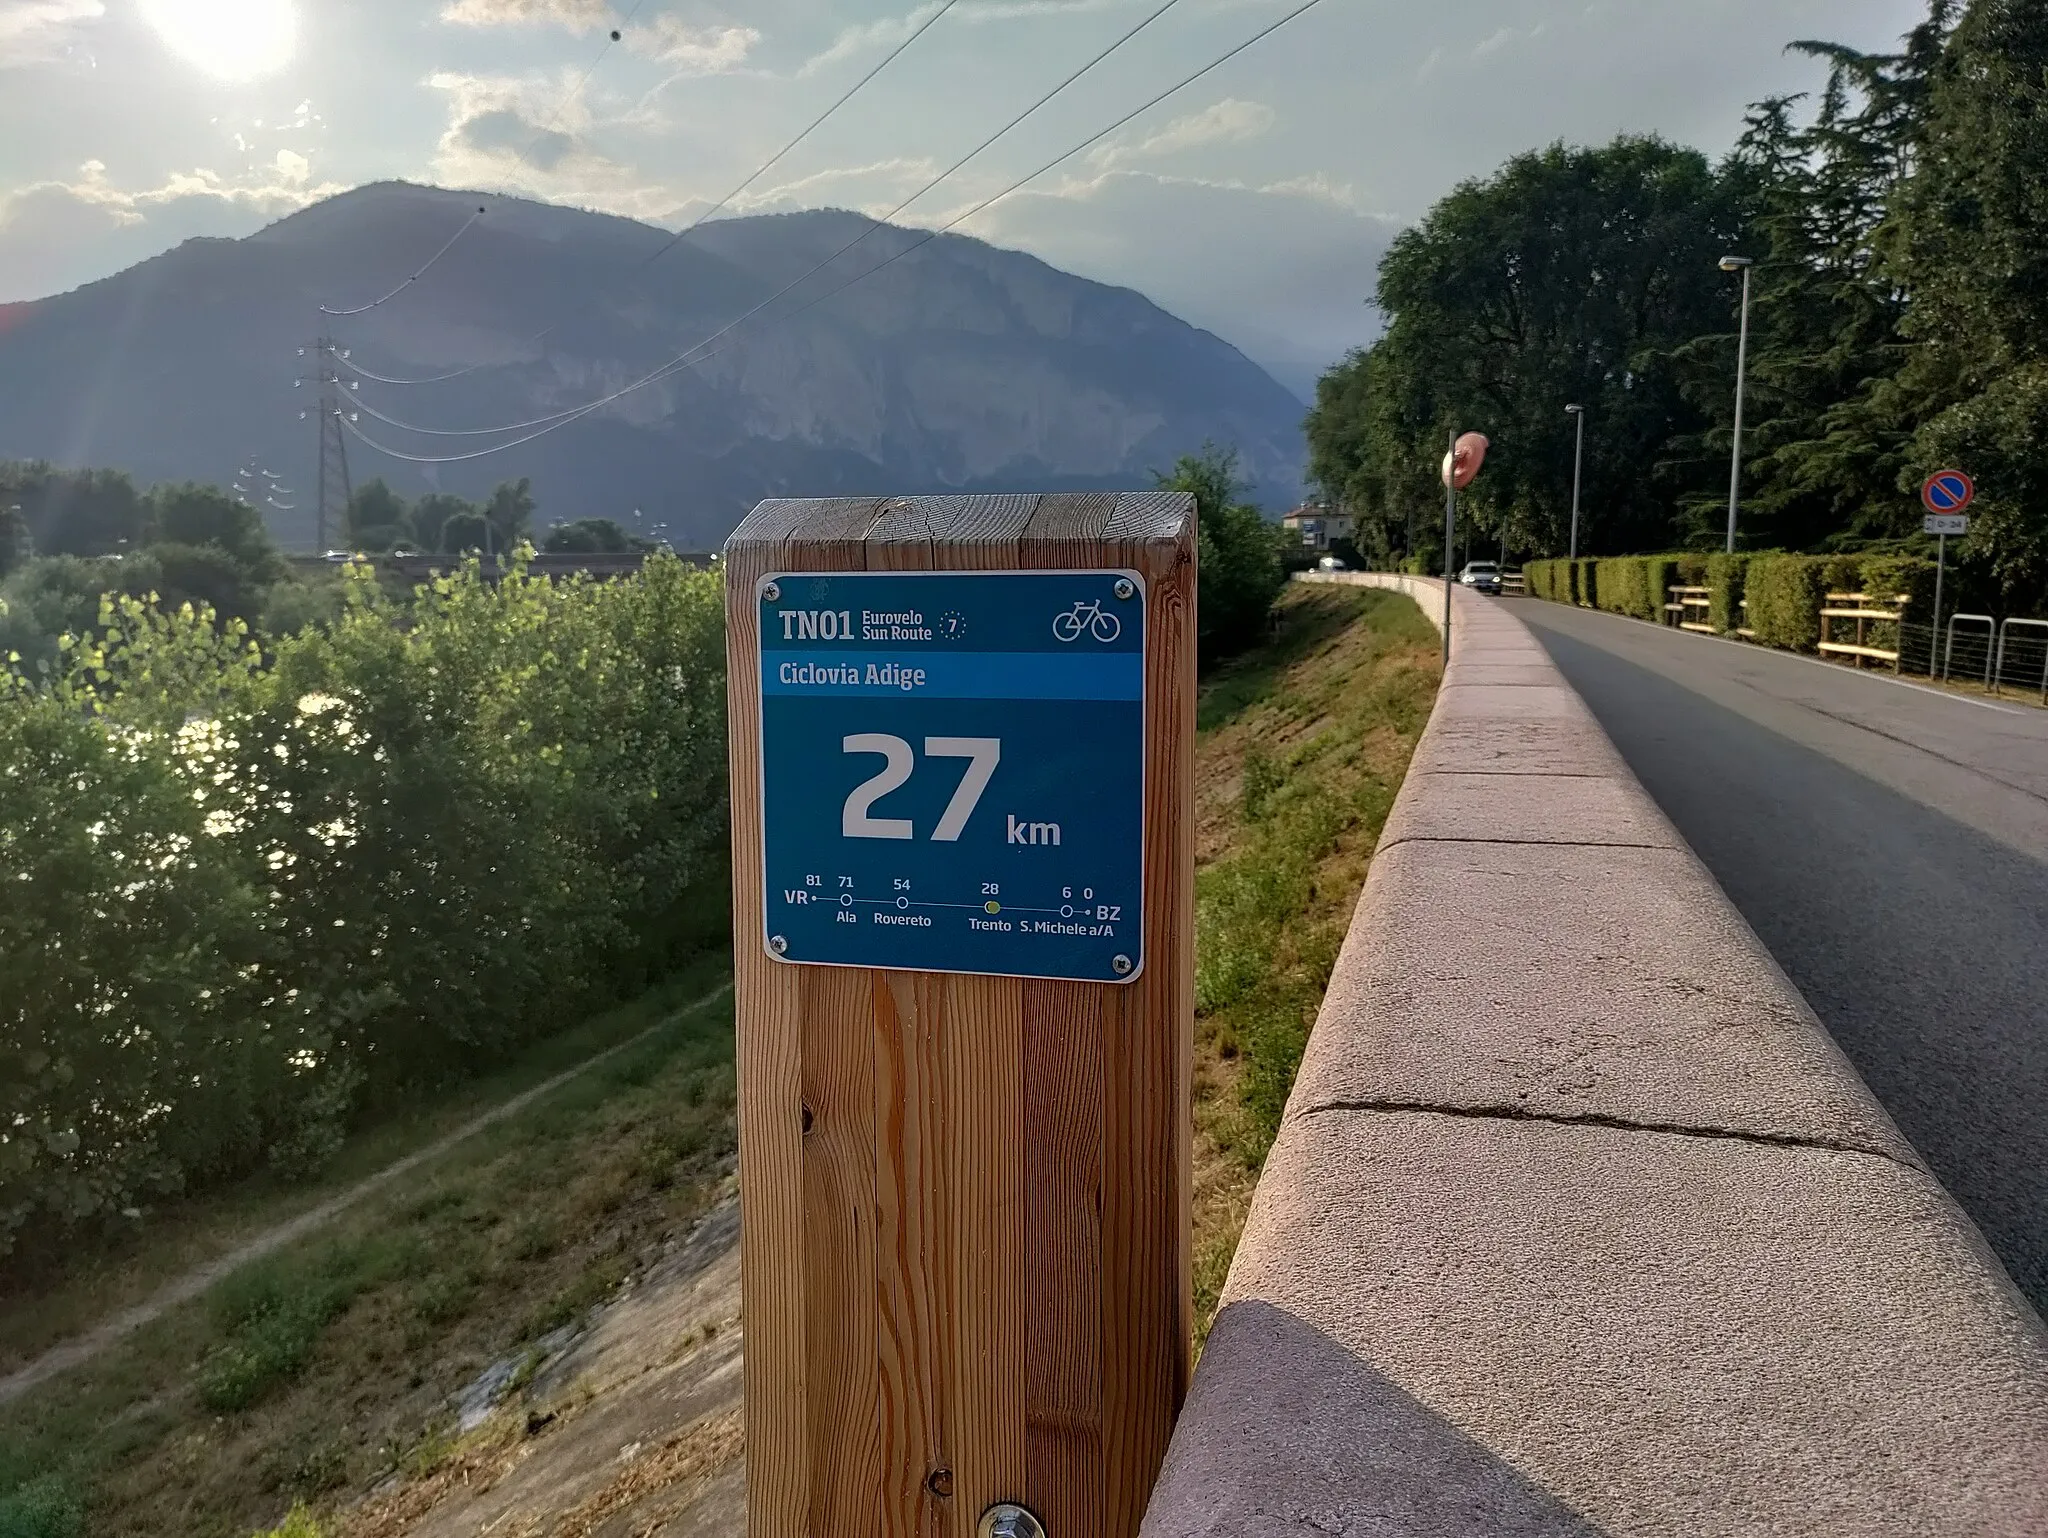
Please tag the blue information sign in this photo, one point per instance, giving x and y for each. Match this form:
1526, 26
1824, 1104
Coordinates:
953, 771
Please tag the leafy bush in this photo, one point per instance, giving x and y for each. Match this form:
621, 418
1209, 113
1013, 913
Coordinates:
1885, 577
249, 894
1660, 575
42, 1508
1241, 571
1623, 587
1727, 583
1585, 583
299, 1522
1785, 595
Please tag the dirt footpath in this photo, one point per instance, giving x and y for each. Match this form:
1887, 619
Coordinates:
632, 1432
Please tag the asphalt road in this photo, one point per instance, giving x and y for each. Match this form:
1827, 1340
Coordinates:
1890, 845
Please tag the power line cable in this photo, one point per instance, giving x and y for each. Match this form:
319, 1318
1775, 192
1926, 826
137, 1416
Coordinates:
539, 134
680, 235
695, 355
569, 414
408, 283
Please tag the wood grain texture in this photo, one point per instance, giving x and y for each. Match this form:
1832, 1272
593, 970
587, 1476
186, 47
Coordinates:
985, 1233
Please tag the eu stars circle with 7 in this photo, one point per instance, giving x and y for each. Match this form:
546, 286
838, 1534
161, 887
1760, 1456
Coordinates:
953, 771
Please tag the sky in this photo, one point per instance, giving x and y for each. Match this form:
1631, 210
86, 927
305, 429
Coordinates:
1256, 202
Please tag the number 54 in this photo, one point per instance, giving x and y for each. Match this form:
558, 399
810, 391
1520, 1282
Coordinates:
856, 819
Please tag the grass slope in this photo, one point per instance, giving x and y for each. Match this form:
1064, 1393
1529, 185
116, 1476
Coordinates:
331, 1363
1303, 744
315, 1373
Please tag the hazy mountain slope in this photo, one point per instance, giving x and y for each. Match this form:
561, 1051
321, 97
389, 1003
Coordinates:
960, 367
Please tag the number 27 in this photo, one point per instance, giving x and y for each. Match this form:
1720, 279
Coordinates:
856, 819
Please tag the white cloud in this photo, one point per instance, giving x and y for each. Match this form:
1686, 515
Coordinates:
527, 134
667, 39
1229, 121
56, 234
578, 16
36, 32
1506, 36
874, 188
853, 41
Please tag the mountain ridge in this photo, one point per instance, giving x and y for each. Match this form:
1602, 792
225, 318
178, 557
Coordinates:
961, 366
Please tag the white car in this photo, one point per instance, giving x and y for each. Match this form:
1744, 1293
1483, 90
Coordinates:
1481, 577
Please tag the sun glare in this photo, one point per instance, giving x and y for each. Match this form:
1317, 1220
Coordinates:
229, 39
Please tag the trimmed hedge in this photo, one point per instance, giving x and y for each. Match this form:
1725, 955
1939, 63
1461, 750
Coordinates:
1786, 592
1727, 585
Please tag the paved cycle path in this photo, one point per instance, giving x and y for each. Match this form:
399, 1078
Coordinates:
1889, 844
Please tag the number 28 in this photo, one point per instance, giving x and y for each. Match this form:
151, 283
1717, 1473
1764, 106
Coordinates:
856, 819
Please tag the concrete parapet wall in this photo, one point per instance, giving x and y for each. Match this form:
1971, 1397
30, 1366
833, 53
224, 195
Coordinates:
1579, 1223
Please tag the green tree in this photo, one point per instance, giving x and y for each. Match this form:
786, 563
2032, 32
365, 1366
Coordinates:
1969, 242
1241, 571
1820, 466
378, 519
188, 514
75, 512
510, 513
1570, 276
468, 531
431, 516
17, 544
588, 536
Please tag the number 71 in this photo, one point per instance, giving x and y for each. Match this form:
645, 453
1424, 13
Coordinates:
982, 755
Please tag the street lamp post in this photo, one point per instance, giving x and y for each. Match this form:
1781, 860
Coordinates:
1578, 468
1741, 264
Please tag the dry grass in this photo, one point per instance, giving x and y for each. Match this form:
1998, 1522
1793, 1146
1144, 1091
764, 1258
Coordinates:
1303, 744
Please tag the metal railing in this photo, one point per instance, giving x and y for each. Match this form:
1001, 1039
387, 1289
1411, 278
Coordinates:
2022, 658
1973, 644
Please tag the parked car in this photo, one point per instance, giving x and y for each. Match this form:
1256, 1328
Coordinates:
1330, 563
1481, 577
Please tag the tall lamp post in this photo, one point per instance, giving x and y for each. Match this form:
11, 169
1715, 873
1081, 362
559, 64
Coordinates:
1741, 264
1578, 468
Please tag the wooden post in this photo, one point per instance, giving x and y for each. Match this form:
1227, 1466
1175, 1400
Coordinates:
965, 1198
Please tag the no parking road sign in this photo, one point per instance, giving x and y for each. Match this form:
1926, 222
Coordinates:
1945, 495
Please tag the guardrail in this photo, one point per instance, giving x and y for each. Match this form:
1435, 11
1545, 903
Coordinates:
1865, 611
1692, 606
1578, 1222
2005, 639
1948, 653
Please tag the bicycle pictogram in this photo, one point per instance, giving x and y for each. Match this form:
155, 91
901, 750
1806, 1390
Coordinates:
1089, 617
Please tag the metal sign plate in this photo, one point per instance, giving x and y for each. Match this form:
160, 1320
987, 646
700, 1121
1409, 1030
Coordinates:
1946, 523
1947, 491
953, 771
